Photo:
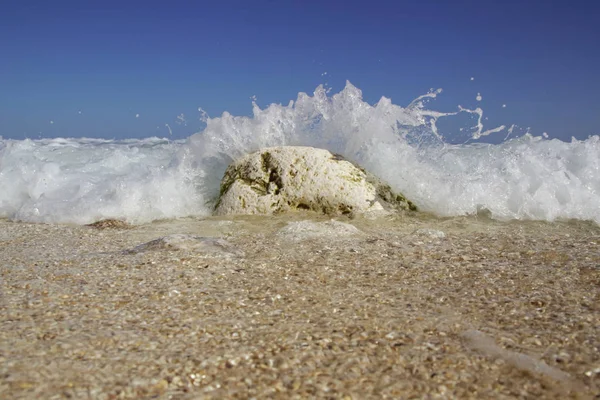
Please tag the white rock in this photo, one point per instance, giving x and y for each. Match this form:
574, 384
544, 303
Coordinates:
431, 233
309, 230
280, 179
207, 245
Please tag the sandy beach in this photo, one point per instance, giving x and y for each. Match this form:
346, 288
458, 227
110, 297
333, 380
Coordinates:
406, 307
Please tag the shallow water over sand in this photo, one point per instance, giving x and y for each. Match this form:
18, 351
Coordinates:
395, 309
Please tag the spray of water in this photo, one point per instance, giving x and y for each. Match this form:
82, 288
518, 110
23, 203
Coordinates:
83, 180
524, 178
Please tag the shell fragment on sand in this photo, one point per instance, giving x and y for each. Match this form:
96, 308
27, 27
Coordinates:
281, 179
484, 344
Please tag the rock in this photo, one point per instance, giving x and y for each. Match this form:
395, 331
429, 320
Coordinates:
208, 246
309, 230
280, 179
430, 233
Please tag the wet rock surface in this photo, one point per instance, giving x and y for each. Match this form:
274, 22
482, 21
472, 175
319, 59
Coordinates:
281, 179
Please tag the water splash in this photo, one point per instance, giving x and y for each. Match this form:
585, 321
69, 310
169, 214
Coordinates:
523, 178
83, 180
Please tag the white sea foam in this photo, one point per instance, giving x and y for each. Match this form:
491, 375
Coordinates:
83, 180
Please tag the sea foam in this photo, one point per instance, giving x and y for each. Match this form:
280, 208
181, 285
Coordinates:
83, 180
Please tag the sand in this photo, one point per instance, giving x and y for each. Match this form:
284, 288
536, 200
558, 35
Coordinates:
408, 307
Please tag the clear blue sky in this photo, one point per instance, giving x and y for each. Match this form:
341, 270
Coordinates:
112, 60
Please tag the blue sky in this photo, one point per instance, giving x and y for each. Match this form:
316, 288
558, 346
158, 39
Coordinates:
111, 60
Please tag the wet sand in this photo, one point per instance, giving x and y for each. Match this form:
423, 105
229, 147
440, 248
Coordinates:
490, 310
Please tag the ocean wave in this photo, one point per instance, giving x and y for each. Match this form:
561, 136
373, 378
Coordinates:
83, 180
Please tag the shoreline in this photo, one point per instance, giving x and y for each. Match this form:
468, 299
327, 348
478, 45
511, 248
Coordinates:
490, 310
